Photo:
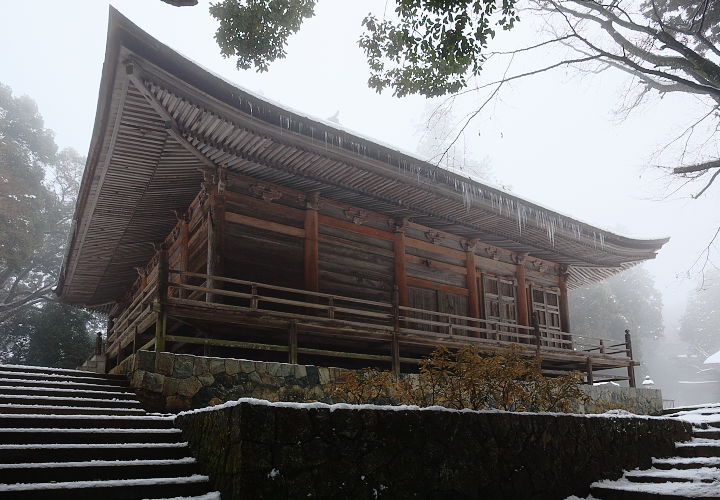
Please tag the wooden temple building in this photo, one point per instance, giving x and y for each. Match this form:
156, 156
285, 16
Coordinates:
212, 221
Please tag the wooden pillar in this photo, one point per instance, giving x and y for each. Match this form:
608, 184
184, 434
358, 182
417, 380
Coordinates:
215, 184
292, 343
395, 352
400, 263
564, 305
589, 370
521, 296
184, 252
312, 252
159, 303
631, 366
472, 282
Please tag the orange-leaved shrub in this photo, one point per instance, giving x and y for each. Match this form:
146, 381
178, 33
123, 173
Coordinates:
466, 378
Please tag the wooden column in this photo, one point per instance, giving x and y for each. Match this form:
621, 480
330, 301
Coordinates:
631, 366
522, 297
400, 264
564, 305
395, 350
472, 282
292, 343
589, 370
159, 303
215, 185
312, 252
184, 252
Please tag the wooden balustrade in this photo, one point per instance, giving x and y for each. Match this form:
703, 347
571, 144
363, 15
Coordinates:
353, 317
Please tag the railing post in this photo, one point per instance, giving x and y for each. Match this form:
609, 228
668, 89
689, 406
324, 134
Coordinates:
396, 331
589, 370
631, 366
602, 346
536, 331
254, 298
331, 307
159, 303
292, 343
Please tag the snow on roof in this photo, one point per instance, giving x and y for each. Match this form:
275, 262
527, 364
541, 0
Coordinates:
713, 359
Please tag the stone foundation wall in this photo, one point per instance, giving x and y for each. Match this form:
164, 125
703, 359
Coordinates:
254, 449
183, 381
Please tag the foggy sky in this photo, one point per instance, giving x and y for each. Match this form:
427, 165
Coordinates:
554, 139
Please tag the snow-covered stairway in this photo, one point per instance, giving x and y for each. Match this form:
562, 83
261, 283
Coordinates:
73, 434
693, 473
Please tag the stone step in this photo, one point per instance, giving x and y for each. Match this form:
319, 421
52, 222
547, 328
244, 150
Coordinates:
686, 463
39, 409
58, 377
126, 489
85, 421
80, 452
62, 384
702, 474
709, 433
59, 371
67, 393
68, 401
46, 472
626, 490
88, 436
695, 449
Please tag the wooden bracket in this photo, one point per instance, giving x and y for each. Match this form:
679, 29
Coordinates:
264, 192
399, 225
519, 257
358, 217
434, 237
492, 253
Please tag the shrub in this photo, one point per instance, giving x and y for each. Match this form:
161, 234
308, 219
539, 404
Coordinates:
466, 378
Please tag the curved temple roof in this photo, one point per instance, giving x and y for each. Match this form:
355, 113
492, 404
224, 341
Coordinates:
161, 119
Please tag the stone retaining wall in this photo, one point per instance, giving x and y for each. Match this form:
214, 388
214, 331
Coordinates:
183, 381
255, 449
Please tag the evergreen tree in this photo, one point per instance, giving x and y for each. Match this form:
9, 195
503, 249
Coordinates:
38, 188
628, 300
700, 324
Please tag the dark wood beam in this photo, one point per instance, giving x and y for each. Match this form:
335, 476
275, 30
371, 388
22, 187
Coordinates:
401, 281
564, 304
472, 281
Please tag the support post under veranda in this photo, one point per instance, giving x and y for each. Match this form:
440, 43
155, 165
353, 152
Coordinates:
160, 302
631, 366
395, 333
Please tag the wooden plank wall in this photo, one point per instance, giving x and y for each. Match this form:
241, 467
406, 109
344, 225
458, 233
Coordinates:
279, 236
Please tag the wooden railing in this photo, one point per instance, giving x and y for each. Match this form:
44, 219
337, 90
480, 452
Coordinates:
352, 316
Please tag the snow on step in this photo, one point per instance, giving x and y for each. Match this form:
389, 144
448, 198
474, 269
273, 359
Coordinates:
63, 446
689, 490
99, 463
154, 418
99, 430
56, 377
15, 388
35, 369
79, 409
704, 474
213, 495
678, 461
68, 398
68, 383
155, 481
699, 442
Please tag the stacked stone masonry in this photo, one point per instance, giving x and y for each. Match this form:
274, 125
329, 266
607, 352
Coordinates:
256, 450
182, 381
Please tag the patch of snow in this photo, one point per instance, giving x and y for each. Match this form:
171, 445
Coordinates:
345, 406
699, 474
713, 359
98, 463
62, 446
45, 430
44, 368
195, 478
699, 442
213, 495
54, 377
56, 407
702, 461
26, 382
689, 490
273, 474
143, 418
58, 389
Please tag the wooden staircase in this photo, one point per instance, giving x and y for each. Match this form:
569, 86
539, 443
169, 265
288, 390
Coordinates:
73, 434
693, 473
